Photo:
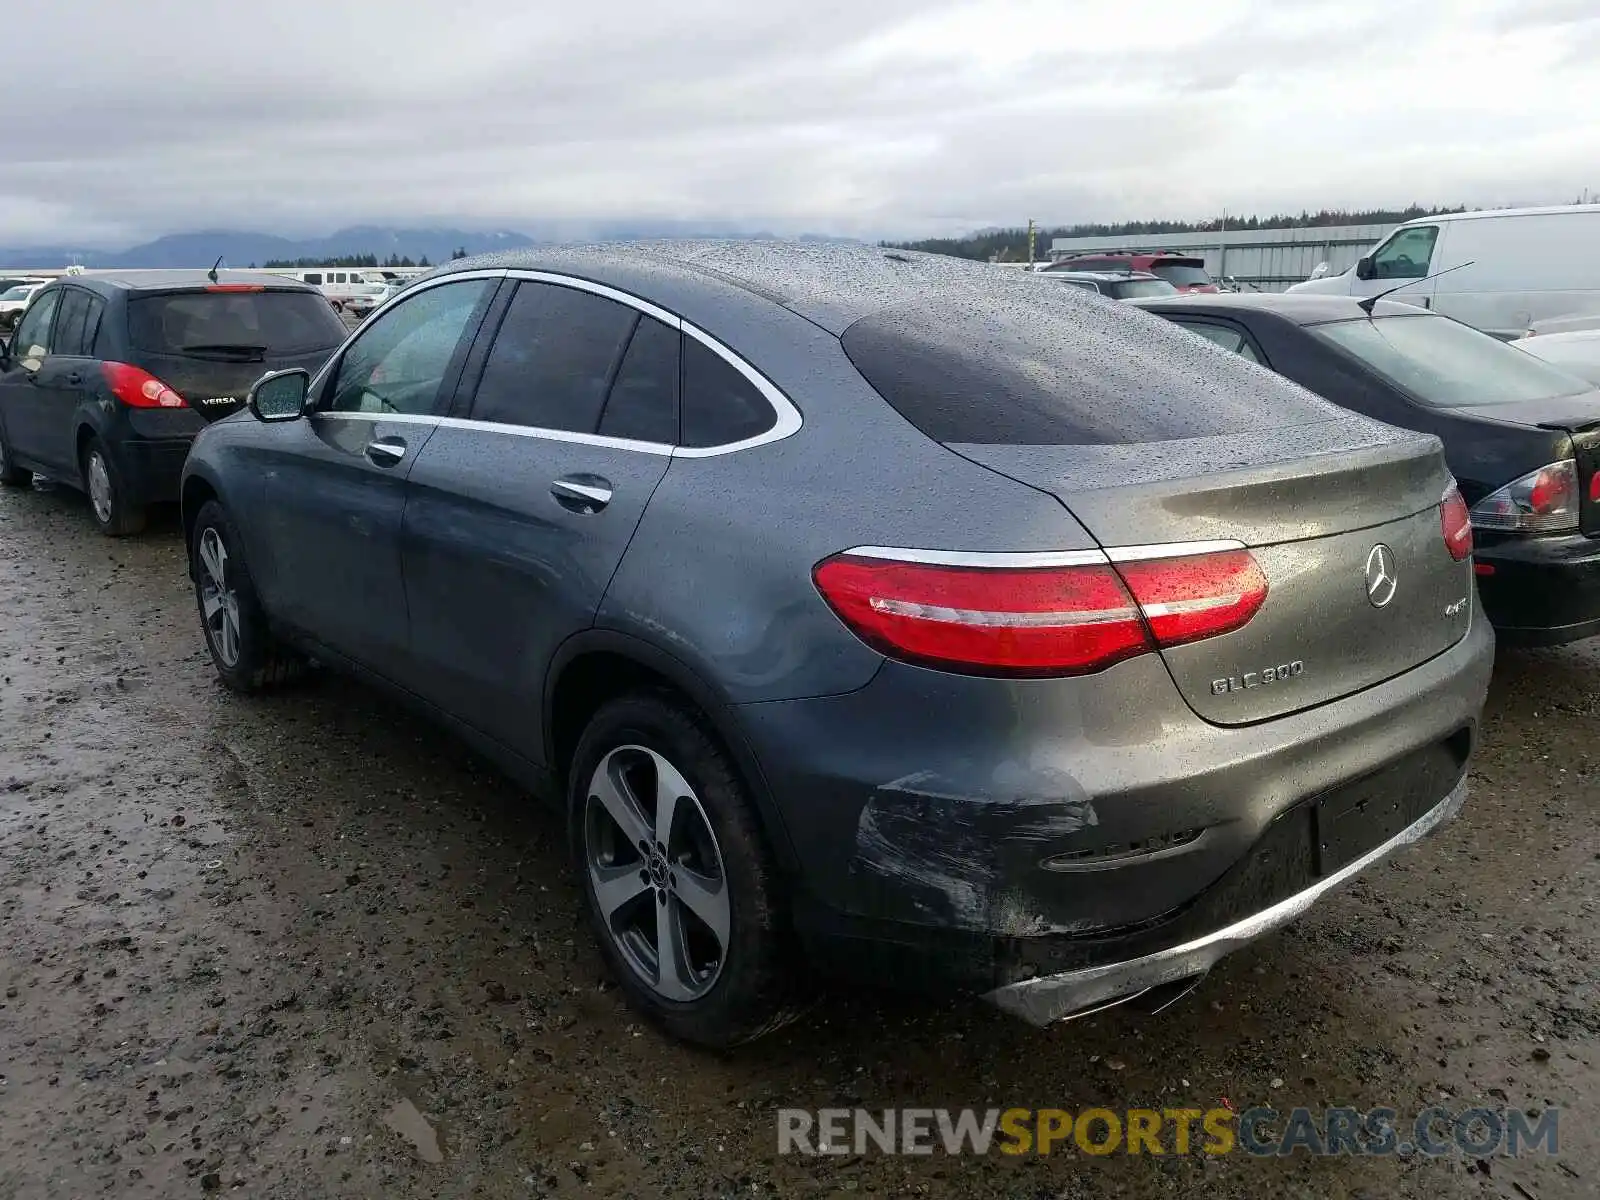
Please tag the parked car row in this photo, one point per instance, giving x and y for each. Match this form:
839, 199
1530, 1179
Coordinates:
869, 613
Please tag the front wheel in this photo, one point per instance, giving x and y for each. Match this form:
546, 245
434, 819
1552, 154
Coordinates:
243, 649
114, 511
679, 887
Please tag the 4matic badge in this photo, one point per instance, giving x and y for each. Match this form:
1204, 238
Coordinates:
1250, 679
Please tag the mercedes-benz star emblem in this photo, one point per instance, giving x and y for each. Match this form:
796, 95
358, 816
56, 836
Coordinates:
1381, 580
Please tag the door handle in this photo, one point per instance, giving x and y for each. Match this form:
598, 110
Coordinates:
386, 452
582, 493
75, 378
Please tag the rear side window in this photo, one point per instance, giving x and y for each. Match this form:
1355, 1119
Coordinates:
1181, 274
643, 404
273, 322
969, 370
69, 339
1130, 289
314, 278
553, 359
720, 404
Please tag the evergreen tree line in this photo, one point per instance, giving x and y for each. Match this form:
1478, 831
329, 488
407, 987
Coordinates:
1011, 245
354, 260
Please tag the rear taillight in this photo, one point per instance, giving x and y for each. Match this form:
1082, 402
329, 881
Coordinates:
985, 615
138, 388
1542, 501
1455, 522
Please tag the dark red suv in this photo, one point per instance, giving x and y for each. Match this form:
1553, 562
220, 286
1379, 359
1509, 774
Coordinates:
1181, 271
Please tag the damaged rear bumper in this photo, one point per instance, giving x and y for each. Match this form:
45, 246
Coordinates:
1050, 998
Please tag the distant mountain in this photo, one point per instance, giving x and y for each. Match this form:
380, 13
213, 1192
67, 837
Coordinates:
239, 248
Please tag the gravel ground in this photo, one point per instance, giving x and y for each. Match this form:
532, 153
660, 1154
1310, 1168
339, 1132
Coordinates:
308, 946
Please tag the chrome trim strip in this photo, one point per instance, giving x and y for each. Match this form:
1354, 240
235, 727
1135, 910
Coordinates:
1169, 550
544, 435
973, 558
1075, 993
788, 419
599, 289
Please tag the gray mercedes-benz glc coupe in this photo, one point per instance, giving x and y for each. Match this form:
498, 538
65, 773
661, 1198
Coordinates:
868, 612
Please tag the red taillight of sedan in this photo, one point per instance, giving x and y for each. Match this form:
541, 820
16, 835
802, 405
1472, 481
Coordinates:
983, 615
1455, 522
138, 388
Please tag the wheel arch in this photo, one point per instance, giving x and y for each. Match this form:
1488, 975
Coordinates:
596, 665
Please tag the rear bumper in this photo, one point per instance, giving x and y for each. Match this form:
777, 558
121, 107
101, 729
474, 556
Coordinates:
979, 834
1075, 993
1543, 590
153, 469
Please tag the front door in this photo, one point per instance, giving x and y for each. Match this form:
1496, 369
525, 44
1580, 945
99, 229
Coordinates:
520, 514
334, 484
28, 386
1407, 259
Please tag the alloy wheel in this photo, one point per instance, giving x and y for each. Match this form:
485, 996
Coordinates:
100, 486
657, 873
219, 602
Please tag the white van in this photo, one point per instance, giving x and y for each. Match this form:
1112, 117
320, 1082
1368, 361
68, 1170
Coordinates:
1528, 265
345, 287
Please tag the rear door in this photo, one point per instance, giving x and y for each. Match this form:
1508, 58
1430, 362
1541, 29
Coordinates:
24, 400
67, 377
334, 483
520, 512
210, 344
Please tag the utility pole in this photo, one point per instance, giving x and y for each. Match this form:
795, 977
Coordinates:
1030, 241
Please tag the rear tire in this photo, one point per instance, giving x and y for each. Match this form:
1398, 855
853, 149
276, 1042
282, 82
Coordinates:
108, 493
247, 656
12, 475
693, 924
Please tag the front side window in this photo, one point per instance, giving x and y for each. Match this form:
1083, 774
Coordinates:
1446, 364
32, 341
1406, 254
400, 363
720, 404
553, 359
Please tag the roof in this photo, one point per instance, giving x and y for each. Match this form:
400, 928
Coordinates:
1547, 211
832, 284
1128, 254
1301, 308
131, 280
1101, 276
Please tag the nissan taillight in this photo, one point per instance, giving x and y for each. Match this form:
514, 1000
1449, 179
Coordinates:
985, 615
1455, 523
1542, 501
138, 388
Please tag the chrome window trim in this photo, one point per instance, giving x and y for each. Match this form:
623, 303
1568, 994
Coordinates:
788, 419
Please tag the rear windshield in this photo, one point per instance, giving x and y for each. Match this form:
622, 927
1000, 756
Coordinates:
1181, 275
1132, 289
1057, 368
275, 322
1446, 364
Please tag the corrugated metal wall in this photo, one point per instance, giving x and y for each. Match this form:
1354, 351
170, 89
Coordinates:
1268, 259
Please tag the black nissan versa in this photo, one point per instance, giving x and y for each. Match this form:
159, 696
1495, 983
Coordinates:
867, 611
1521, 436
110, 375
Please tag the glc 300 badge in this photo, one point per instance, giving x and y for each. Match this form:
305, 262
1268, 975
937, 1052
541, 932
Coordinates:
1250, 679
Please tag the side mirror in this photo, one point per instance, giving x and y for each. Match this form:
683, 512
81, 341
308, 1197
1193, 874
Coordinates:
1364, 267
1318, 271
280, 395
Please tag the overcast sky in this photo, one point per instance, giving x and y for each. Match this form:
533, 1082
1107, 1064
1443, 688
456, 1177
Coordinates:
126, 119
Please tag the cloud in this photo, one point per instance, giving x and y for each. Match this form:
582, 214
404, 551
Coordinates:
896, 117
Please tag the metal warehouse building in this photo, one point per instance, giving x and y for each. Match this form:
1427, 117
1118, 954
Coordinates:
1268, 259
